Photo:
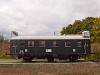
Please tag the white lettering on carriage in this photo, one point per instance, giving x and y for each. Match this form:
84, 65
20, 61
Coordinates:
48, 50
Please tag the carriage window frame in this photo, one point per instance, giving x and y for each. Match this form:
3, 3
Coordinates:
23, 43
42, 43
31, 43
79, 44
67, 43
54, 44
13, 43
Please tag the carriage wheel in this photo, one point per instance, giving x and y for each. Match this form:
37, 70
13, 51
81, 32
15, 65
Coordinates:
50, 58
73, 58
27, 59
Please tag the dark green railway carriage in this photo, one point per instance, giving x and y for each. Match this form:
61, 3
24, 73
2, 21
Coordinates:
62, 47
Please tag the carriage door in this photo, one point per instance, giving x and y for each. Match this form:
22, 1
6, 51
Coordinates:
13, 47
86, 46
71, 46
74, 46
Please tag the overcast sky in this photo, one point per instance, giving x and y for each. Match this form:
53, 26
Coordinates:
43, 17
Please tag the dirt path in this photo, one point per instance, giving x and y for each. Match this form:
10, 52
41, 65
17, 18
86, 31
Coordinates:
48, 69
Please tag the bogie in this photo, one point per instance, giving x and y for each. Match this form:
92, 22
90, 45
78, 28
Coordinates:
27, 59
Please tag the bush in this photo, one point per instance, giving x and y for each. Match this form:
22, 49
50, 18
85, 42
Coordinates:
95, 49
4, 47
91, 57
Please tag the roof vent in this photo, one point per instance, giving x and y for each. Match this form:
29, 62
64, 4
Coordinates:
14, 33
86, 34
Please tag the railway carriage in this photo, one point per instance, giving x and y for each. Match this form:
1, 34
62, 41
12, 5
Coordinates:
63, 47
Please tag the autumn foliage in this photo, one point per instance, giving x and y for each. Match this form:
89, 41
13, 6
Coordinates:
88, 24
4, 48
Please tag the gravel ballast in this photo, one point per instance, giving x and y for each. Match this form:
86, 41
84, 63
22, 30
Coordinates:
48, 69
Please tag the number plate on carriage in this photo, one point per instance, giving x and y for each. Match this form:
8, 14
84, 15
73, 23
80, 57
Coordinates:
48, 50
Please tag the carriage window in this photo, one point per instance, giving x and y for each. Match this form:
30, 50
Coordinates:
54, 44
13, 43
22, 43
79, 44
30, 43
68, 44
41, 43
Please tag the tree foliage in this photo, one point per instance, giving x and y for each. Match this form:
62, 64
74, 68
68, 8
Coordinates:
1, 38
91, 24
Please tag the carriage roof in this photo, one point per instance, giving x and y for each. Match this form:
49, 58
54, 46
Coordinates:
48, 37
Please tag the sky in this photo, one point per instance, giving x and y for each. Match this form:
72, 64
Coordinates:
43, 17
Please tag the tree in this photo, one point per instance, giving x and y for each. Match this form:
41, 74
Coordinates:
95, 31
1, 38
88, 24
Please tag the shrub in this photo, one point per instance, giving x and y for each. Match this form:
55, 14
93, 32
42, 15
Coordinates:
95, 49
